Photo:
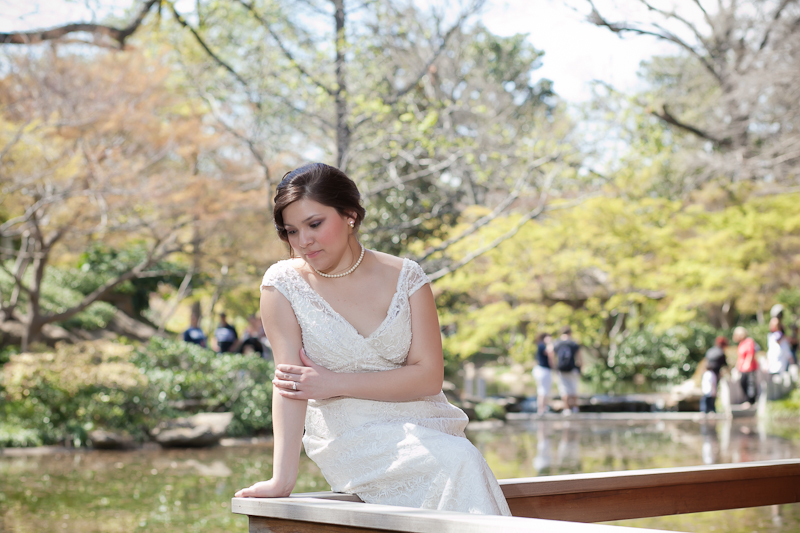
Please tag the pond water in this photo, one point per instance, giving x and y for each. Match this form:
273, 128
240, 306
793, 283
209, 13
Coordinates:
157, 490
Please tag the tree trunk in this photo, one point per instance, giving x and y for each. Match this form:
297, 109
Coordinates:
342, 127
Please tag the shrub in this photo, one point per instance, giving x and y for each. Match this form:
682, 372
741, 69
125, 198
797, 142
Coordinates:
788, 407
191, 378
64, 394
488, 409
61, 395
660, 357
17, 436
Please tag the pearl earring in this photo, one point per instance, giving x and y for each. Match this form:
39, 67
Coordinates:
352, 224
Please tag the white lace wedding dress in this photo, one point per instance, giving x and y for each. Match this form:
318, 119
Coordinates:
411, 453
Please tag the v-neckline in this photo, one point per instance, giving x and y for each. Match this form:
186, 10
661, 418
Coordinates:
341, 317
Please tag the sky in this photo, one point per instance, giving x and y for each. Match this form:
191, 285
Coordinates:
576, 52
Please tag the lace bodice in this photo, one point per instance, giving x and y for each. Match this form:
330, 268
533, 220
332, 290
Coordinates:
331, 341
410, 453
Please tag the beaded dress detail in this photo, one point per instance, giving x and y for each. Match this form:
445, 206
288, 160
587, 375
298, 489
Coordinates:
411, 453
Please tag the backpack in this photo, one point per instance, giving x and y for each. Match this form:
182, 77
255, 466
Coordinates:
565, 357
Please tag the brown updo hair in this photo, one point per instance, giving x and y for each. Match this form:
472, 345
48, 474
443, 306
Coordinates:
322, 183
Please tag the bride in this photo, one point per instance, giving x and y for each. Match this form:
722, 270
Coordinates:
356, 339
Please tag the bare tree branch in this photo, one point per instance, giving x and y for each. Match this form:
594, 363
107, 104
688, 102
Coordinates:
286, 52
674, 15
248, 141
183, 290
442, 45
500, 209
669, 118
205, 46
397, 180
619, 28
705, 13
10, 144
119, 35
775, 18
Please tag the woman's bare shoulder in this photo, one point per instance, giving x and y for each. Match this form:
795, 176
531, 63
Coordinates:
388, 261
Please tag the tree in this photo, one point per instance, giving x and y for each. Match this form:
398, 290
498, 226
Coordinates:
731, 87
406, 100
94, 152
421, 142
617, 267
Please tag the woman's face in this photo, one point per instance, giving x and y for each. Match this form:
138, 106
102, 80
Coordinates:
317, 233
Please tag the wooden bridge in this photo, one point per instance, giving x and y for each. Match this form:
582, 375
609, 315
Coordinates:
545, 504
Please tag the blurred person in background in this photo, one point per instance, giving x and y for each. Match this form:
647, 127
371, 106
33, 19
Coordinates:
251, 337
746, 363
542, 372
715, 362
779, 354
793, 342
194, 334
568, 361
225, 334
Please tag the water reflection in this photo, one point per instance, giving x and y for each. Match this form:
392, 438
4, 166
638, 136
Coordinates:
551, 447
189, 490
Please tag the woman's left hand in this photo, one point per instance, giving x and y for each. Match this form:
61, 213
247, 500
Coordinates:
309, 382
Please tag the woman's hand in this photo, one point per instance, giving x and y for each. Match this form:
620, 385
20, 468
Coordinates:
265, 489
309, 382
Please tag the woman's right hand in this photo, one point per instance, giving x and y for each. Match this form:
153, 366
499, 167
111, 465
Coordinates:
265, 489
309, 382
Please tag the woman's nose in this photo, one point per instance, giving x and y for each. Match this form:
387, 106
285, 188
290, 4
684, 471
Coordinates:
305, 238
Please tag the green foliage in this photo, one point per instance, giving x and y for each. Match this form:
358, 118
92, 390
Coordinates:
64, 394
186, 374
5, 354
660, 357
63, 288
489, 409
100, 262
648, 275
443, 147
788, 407
61, 395
15, 435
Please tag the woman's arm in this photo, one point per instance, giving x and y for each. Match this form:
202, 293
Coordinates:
288, 415
421, 376
551, 356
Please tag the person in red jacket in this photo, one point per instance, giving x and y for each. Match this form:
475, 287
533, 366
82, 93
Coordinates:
746, 363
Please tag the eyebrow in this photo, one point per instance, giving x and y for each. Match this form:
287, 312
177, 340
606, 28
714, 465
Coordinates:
306, 219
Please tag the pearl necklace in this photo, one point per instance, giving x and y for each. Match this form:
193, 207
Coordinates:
348, 271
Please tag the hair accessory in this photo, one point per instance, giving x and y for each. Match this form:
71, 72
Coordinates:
348, 271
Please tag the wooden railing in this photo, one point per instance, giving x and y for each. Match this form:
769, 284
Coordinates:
553, 503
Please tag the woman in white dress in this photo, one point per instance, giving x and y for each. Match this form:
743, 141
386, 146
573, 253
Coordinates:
356, 340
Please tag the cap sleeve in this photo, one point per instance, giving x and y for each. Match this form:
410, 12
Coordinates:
416, 277
277, 276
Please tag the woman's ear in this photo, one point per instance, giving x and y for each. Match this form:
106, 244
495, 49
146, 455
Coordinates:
352, 215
